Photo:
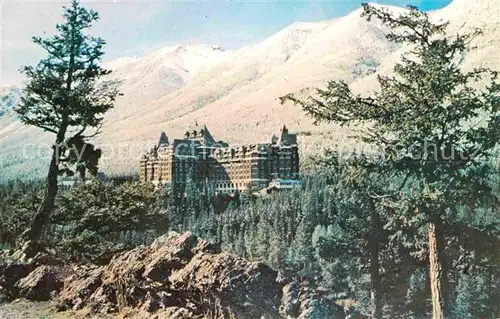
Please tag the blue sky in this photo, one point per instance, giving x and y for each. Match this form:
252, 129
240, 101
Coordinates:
135, 27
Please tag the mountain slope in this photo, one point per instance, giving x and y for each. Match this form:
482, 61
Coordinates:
463, 17
160, 72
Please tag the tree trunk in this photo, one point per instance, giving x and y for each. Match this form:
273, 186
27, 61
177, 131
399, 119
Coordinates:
438, 270
42, 216
376, 302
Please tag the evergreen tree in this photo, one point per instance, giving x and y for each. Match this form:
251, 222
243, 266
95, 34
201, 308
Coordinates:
304, 253
262, 240
239, 245
277, 244
66, 96
433, 121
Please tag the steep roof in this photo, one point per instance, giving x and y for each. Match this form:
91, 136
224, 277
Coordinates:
287, 138
200, 133
163, 139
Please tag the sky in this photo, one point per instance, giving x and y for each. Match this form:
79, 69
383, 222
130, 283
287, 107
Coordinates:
132, 28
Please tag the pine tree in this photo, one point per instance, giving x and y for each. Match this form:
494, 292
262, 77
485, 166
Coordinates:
304, 254
434, 122
277, 244
66, 95
239, 245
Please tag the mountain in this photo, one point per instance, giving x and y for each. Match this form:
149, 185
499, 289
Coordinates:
463, 17
236, 93
160, 72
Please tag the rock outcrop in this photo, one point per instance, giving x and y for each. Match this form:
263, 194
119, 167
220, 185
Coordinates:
177, 276
30, 272
41, 283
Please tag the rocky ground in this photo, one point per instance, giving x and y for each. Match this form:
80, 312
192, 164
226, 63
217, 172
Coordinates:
177, 276
23, 309
26, 309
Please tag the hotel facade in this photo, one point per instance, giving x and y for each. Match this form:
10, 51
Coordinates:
218, 167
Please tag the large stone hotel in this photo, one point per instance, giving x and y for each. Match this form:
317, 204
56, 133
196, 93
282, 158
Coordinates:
199, 159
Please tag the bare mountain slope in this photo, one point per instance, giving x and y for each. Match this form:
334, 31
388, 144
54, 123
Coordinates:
158, 73
237, 93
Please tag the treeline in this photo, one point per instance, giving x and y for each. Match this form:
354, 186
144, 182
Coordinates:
332, 231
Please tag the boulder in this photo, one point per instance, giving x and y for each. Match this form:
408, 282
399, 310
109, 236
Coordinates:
78, 288
301, 301
10, 273
19, 264
247, 288
40, 284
